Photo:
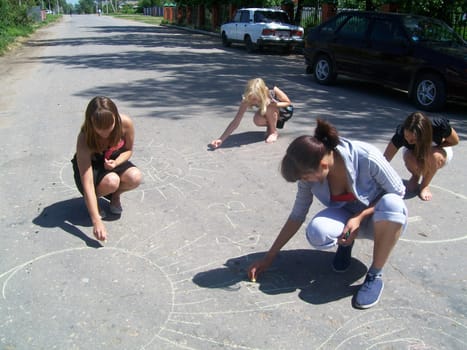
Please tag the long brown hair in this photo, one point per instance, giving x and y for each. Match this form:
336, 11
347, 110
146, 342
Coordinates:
305, 153
420, 125
101, 113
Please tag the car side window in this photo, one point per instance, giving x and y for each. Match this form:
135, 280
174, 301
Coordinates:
354, 28
245, 17
259, 17
332, 25
237, 17
387, 36
382, 31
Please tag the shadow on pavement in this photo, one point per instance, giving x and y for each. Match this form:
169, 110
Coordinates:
67, 215
306, 270
242, 139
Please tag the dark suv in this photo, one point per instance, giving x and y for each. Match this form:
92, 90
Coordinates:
417, 54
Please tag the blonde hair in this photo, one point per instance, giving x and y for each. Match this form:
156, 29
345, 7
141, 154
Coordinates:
101, 113
257, 88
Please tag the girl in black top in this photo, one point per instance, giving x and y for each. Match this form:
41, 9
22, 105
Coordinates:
427, 148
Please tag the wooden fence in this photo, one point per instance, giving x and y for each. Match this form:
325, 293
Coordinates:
210, 18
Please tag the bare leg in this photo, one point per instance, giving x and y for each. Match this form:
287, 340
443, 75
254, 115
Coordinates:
109, 184
437, 162
114, 184
268, 121
272, 115
412, 184
129, 180
412, 166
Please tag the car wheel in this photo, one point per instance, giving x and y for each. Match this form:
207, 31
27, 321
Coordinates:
323, 70
429, 92
250, 47
225, 40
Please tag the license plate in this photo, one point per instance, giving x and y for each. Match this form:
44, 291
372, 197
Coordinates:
283, 34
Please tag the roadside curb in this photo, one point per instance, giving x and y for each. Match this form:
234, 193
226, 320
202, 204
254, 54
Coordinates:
193, 30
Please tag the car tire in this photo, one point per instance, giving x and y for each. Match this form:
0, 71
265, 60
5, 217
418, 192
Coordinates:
323, 70
429, 92
250, 47
225, 40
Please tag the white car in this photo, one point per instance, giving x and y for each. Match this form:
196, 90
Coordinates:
260, 27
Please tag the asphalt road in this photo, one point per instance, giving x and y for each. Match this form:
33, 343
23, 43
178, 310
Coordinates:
172, 274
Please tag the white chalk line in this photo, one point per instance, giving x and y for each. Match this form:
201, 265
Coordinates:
419, 218
355, 320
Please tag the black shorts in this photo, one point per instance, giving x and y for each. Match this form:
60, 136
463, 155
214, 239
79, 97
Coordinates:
284, 115
98, 170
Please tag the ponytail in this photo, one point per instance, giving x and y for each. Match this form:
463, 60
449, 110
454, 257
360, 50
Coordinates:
305, 153
327, 134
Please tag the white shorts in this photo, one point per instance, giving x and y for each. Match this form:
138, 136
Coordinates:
448, 150
449, 154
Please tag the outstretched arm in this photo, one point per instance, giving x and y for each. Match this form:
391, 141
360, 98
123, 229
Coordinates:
289, 229
390, 151
451, 140
283, 99
83, 157
231, 127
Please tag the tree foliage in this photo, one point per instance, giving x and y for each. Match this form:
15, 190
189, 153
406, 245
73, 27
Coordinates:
13, 13
86, 6
433, 8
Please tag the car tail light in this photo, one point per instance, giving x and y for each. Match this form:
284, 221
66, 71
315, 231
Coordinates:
267, 32
296, 33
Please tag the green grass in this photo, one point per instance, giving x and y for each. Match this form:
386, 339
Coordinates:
140, 18
13, 34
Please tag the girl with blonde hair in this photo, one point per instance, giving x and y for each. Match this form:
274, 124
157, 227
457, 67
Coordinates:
427, 148
274, 108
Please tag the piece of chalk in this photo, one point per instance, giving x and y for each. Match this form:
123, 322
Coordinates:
253, 280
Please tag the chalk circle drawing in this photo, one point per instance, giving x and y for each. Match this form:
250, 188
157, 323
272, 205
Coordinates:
166, 171
393, 329
76, 300
430, 229
63, 183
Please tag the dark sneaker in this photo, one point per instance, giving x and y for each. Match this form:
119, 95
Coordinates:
369, 292
342, 258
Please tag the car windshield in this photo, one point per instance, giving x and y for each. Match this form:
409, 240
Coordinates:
271, 16
428, 29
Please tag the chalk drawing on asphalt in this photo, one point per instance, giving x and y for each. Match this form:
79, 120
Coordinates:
392, 328
171, 264
427, 221
174, 173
